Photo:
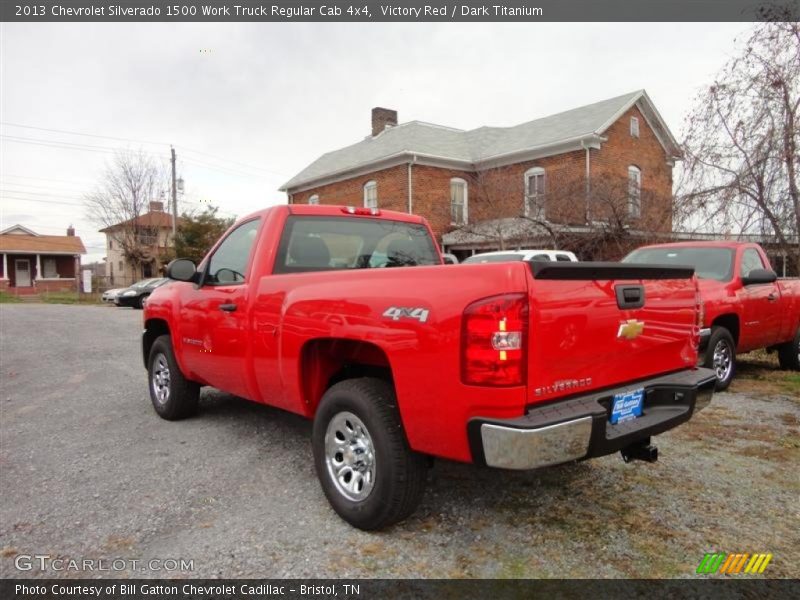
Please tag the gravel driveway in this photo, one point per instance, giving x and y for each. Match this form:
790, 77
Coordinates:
88, 471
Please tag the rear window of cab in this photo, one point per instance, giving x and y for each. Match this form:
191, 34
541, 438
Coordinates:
343, 243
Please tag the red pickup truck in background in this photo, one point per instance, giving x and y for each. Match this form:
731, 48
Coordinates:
512, 365
746, 306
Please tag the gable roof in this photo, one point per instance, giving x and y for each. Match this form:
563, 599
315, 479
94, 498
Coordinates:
486, 146
153, 218
18, 230
41, 244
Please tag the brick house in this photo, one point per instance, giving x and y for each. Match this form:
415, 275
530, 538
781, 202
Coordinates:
147, 238
33, 263
599, 168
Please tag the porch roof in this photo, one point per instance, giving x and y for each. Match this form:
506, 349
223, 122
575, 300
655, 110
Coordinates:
41, 244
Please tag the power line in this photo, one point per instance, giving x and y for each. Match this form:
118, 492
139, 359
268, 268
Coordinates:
42, 194
123, 139
4, 195
70, 181
107, 137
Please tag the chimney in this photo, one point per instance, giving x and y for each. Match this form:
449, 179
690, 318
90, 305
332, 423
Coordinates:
382, 118
71, 231
156, 206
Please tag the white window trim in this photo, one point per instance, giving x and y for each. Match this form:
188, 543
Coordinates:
637, 213
466, 200
371, 184
45, 262
634, 126
528, 174
313, 199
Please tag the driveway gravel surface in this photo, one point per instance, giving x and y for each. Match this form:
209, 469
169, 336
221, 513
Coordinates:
88, 471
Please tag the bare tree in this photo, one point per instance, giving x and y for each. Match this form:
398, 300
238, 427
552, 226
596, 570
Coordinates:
129, 183
742, 139
601, 221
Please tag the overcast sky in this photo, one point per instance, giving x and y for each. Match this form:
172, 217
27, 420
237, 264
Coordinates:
261, 101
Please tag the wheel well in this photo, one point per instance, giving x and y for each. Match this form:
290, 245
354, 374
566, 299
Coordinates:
729, 322
325, 362
153, 329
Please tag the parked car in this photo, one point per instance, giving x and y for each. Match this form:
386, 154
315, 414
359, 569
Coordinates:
514, 255
110, 295
514, 366
449, 259
135, 295
746, 307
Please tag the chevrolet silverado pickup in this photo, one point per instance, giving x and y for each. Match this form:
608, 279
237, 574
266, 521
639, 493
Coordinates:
348, 316
746, 306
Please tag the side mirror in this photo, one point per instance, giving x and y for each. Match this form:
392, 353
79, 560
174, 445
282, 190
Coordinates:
182, 269
757, 276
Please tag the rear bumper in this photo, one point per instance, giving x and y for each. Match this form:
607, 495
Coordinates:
579, 427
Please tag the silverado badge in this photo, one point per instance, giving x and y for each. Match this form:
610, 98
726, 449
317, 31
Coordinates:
630, 329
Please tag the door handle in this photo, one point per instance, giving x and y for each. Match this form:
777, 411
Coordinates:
772, 297
227, 307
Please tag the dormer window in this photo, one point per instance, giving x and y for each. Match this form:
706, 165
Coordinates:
634, 127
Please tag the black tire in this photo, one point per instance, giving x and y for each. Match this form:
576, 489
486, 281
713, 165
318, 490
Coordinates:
721, 356
789, 354
395, 473
182, 395
139, 302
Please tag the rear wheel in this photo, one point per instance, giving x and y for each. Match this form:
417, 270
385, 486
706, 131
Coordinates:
174, 397
721, 356
139, 302
789, 354
370, 476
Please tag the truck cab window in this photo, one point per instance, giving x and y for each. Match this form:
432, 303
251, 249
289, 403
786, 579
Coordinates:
750, 260
228, 264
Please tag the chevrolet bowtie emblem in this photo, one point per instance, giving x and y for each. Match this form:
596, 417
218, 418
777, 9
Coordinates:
630, 329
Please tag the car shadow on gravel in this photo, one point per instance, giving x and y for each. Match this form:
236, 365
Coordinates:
453, 487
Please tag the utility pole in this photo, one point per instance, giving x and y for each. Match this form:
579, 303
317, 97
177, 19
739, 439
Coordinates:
174, 198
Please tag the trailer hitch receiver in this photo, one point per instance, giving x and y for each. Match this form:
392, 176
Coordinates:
641, 450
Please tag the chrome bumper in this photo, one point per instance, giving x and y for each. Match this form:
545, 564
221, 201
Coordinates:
579, 427
510, 448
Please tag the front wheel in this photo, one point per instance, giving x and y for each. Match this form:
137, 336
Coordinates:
721, 357
789, 354
370, 476
174, 397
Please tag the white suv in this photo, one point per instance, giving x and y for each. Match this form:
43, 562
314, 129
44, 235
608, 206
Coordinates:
513, 255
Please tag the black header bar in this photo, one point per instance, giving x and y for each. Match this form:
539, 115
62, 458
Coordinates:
332, 11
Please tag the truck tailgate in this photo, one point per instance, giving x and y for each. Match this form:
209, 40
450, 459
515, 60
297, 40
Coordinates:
598, 325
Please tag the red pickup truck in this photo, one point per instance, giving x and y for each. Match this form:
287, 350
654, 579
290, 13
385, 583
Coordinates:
746, 306
511, 365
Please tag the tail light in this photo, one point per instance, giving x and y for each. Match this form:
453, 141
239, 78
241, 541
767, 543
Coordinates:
494, 341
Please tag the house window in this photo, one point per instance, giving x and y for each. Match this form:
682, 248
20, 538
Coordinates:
49, 268
121, 268
458, 201
634, 127
371, 194
634, 192
313, 199
110, 244
535, 192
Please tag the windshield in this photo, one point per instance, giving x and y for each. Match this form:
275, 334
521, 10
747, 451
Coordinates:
708, 263
491, 258
144, 282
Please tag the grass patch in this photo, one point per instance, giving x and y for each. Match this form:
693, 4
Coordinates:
69, 298
6, 298
759, 371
